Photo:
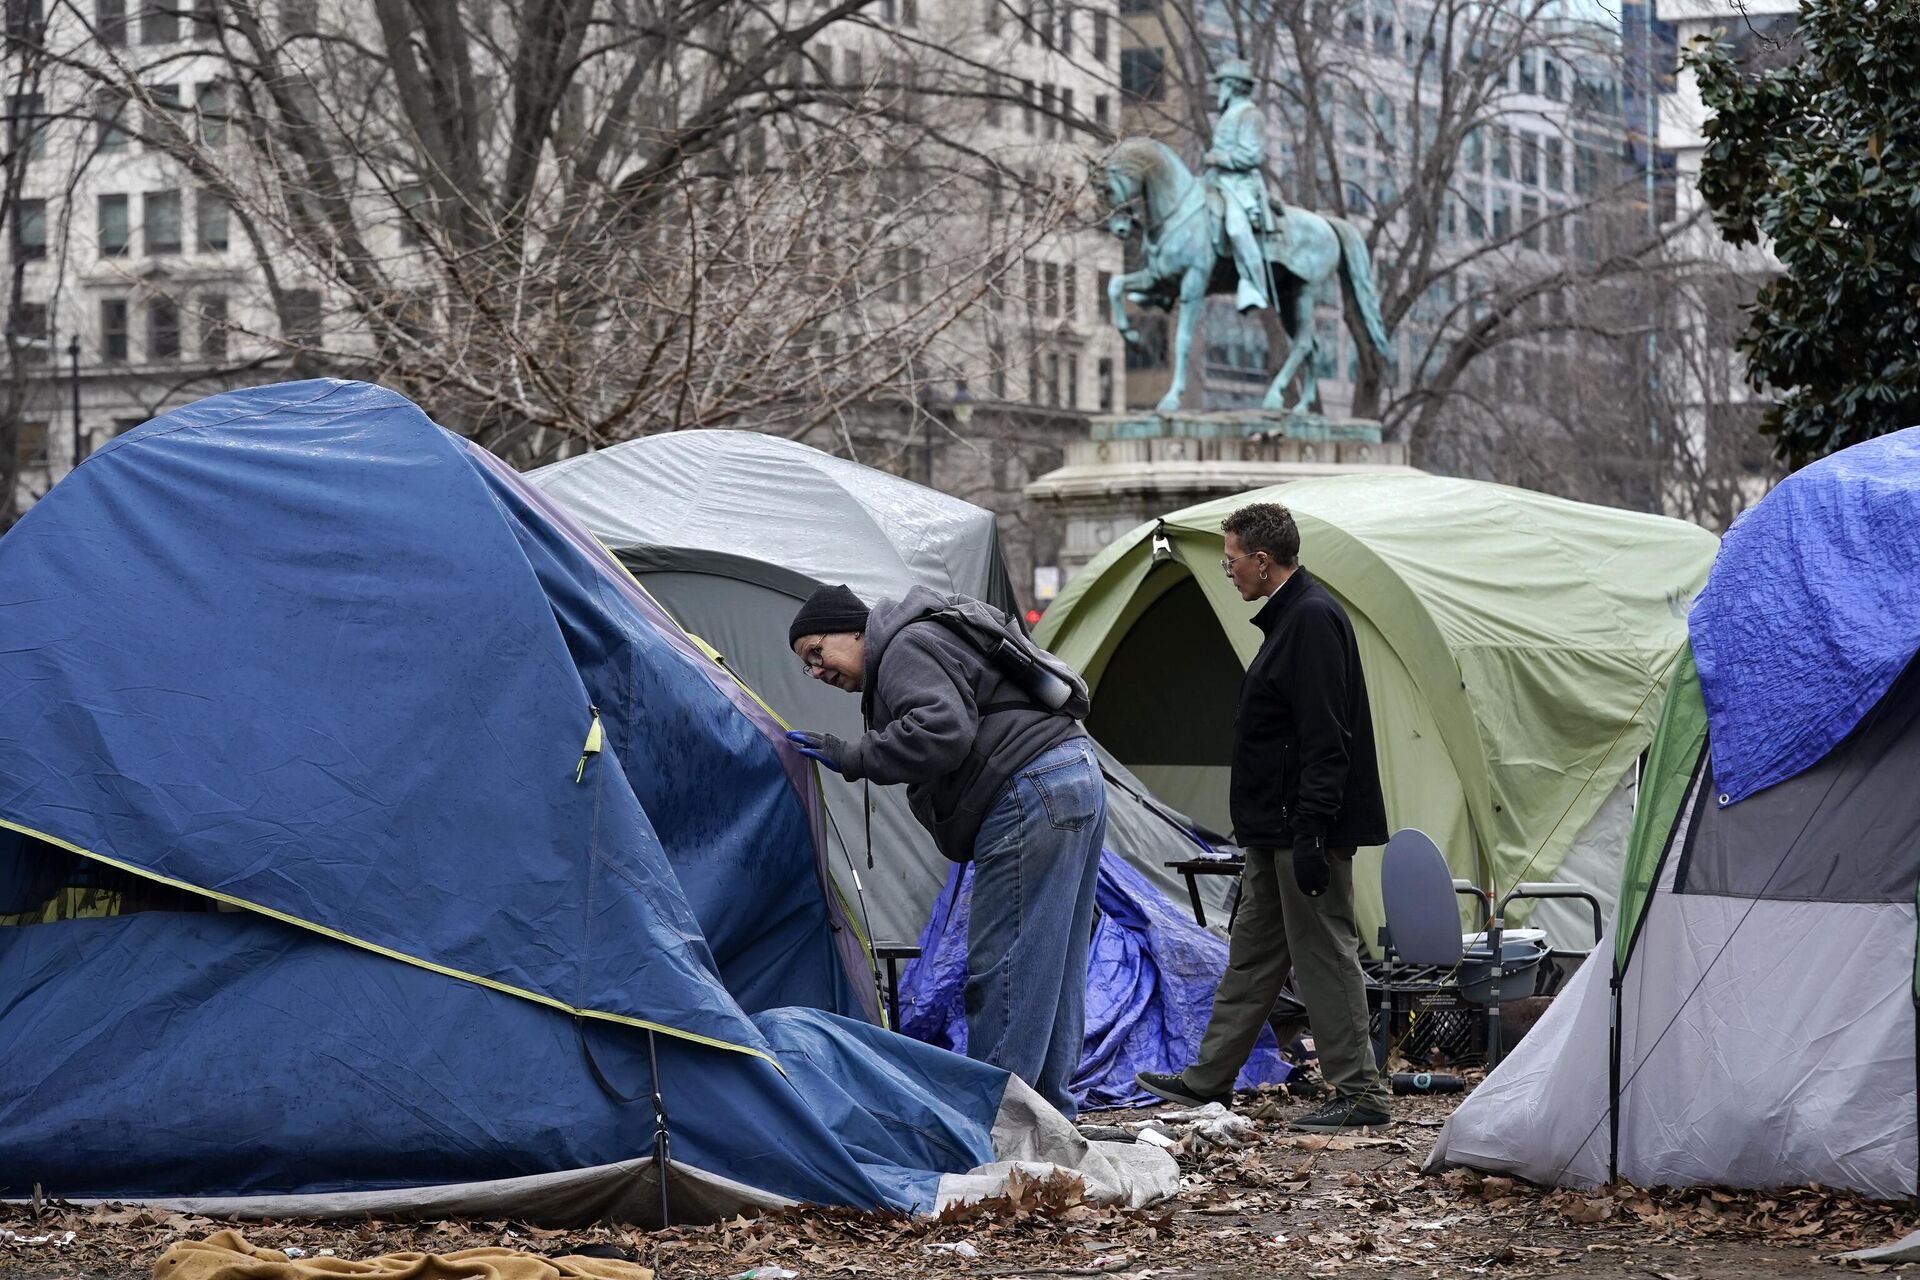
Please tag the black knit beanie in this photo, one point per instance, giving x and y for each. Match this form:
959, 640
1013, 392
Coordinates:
827, 611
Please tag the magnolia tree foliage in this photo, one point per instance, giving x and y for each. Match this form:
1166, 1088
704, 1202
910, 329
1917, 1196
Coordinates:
1820, 162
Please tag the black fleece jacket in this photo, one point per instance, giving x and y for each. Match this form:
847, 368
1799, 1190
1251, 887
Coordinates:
1303, 755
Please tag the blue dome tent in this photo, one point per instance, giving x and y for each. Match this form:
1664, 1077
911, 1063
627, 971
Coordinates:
367, 836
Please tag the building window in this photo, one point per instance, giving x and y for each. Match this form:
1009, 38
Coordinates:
1143, 74
213, 328
30, 230
1502, 155
210, 222
206, 20
1102, 110
997, 375
30, 445
113, 329
1529, 81
1502, 213
1550, 72
1104, 375
300, 313
1556, 174
1529, 160
916, 275
1073, 381
116, 229
1066, 111
166, 97
1049, 112
109, 110
1070, 291
211, 100
160, 221
110, 21
23, 20
1100, 49
1028, 92
415, 208
163, 329
1050, 288
29, 330
159, 22
1476, 205
26, 131
993, 16
1530, 221
1065, 41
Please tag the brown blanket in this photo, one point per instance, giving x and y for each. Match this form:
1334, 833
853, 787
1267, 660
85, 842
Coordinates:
225, 1255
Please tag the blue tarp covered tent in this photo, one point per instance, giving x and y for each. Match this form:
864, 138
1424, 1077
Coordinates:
365, 830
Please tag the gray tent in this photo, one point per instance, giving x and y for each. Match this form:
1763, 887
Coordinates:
1753, 1021
730, 530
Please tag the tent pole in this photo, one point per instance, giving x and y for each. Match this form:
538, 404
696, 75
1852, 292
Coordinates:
1613, 1081
661, 1142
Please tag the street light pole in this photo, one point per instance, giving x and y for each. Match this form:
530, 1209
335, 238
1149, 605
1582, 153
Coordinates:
73, 356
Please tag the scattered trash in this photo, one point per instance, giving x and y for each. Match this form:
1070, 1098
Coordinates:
294, 1251
766, 1273
964, 1249
1427, 1082
1214, 1125
1155, 1137
57, 1241
328, 1253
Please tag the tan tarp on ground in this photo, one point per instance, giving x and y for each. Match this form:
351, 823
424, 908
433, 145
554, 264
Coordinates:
1516, 646
226, 1255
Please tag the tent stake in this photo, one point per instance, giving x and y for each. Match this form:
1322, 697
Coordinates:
660, 1140
1613, 1081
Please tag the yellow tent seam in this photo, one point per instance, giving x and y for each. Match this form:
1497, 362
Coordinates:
443, 970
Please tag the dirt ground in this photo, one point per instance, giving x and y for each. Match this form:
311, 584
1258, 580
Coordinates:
1284, 1205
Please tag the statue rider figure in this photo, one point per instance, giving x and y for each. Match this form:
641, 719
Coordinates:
1234, 168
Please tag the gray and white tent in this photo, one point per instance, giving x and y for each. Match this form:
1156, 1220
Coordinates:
1764, 974
731, 530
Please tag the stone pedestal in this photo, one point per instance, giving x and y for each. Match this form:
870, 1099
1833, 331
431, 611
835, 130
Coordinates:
1136, 467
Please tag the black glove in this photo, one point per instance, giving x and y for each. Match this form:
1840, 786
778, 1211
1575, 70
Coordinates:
1311, 870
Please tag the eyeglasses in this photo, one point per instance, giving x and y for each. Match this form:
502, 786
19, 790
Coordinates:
812, 659
1227, 562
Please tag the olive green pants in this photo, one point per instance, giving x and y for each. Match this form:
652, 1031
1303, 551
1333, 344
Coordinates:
1278, 930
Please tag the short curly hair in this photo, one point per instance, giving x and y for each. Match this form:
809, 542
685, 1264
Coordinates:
1268, 527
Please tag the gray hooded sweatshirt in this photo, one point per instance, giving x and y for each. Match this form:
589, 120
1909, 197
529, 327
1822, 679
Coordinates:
944, 721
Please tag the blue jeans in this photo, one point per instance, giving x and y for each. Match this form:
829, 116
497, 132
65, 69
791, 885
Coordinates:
1034, 866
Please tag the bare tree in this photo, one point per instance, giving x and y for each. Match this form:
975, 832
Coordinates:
566, 222
1476, 145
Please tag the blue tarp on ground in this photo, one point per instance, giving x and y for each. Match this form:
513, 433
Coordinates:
297, 652
1151, 977
1810, 613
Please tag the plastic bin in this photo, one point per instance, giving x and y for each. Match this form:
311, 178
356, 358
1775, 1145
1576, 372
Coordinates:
1521, 951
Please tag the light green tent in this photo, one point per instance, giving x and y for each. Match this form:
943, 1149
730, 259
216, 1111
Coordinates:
1516, 648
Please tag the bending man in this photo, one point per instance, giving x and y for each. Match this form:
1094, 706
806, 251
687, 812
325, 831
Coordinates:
1000, 780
